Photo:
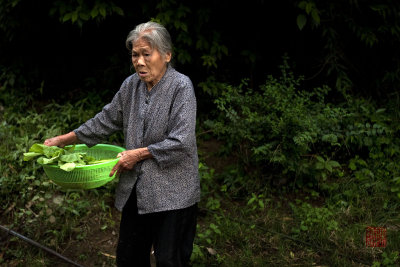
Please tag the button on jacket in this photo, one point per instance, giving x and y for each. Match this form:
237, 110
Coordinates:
163, 120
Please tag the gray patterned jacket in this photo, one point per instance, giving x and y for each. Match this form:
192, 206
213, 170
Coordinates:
164, 121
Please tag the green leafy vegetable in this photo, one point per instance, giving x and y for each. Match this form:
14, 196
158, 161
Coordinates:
68, 166
66, 158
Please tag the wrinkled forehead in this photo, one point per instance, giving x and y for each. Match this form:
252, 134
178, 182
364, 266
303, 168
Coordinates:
141, 43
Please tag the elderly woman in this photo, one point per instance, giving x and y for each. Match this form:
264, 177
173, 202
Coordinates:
158, 186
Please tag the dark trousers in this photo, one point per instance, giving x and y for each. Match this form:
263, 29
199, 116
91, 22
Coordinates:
170, 232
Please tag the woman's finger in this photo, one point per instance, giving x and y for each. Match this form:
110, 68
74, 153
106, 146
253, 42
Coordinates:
114, 169
125, 163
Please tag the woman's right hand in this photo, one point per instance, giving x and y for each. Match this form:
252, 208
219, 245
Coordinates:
62, 140
129, 158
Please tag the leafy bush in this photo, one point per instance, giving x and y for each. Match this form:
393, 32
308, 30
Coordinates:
291, 134
278, 128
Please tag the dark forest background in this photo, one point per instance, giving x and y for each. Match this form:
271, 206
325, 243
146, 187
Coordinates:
298, 126
68, 46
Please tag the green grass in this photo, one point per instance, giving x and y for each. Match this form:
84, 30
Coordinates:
296, 227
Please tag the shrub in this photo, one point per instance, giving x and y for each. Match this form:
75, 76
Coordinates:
286, 133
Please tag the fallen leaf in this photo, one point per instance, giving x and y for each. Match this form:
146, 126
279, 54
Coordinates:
49, 211
52, 219
58, 200
212, 251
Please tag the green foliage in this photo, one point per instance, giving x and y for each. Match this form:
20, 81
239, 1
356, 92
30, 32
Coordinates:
279, 126
29, 202
341, 158
318, 219
78, 11
389, 260
372, 23
242, 221
284, 131
310, 9
257, 202
189, 33
349, 45
325, 167
8, 21
21, 127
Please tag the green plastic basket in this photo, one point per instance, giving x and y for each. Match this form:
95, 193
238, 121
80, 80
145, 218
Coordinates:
88, 176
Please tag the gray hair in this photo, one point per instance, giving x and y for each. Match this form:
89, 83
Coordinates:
153, 32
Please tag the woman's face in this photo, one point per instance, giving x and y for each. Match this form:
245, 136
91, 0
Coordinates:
148, 62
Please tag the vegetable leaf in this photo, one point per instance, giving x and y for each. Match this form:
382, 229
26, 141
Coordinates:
68, 166
65, 158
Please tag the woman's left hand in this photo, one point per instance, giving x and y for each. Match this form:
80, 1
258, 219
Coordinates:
128, 159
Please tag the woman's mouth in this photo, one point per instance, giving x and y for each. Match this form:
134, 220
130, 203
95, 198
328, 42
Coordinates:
142, 73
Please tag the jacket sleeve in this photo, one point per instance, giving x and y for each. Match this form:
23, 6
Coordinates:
104, 123
181, 137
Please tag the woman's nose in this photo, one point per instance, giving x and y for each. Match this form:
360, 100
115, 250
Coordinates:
140, 60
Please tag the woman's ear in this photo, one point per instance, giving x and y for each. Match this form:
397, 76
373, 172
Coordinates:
168, 57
